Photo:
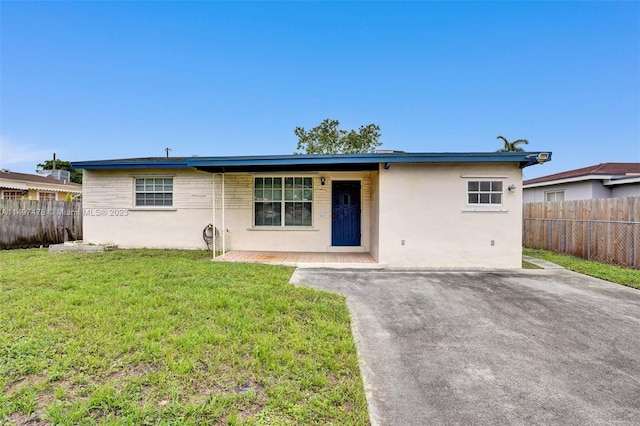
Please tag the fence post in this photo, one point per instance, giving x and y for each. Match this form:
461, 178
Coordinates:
630, 246
589, 240
549, 235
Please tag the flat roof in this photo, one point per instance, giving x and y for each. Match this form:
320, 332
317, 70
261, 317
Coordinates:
334, 162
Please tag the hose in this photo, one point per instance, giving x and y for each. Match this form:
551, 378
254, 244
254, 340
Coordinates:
209, 235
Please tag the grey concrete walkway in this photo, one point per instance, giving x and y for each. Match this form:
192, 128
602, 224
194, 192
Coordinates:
524, 347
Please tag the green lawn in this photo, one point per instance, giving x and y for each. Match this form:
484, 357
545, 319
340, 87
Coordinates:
617, 274
168, 337
529, 265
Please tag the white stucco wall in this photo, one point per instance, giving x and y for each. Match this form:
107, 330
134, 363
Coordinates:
238, 218
110, 215
426, 206
572, 191
374, 248
628, 190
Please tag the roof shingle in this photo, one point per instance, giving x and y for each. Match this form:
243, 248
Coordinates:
607, 169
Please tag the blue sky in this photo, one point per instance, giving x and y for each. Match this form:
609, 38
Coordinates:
99, 80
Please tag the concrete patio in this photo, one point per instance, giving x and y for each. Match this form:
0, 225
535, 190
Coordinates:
302, 259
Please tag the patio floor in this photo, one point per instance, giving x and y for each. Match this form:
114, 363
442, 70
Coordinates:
316, 259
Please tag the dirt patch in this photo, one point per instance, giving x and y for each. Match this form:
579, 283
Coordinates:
20, 419
25, 382
44, 399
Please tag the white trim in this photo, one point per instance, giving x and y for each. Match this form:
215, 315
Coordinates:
213, 221
283, 202
487, 210
40, 188
621, 181
568, 180
13, 186
280, 174
346, 249
474, 206
21, 192
484, 176
554, 191
54, 193
134, 204
152, 175
224, 230
152, 209
282, 228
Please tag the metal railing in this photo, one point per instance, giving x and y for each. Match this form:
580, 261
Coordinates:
616, 242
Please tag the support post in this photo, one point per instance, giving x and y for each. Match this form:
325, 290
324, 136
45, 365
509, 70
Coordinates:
224, 227
213, 220
589, 240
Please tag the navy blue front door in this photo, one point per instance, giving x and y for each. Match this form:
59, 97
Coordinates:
346, 213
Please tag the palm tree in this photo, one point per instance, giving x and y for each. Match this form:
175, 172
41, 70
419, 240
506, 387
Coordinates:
512, 146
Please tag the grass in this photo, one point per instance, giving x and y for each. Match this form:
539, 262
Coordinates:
168, 337
617, 274
529, 265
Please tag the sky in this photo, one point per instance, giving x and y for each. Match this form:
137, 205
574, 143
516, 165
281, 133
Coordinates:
102, 80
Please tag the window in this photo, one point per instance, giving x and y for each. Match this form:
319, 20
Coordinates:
484, 192
12, 195
276, 198
47, 196
154, 192
554, 195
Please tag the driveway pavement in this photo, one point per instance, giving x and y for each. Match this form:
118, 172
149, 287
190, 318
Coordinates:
524, 347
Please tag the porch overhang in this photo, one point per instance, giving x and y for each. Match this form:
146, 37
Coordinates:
351, 162
314, 163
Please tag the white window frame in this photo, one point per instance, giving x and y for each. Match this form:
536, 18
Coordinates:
483, 190
48, 193
554, 193
153, 191
19, 194
287, 196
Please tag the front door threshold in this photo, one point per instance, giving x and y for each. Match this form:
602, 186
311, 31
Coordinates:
346, 249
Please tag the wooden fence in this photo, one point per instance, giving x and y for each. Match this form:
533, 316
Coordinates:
26, 224
606, 230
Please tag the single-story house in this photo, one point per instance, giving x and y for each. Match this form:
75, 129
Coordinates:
604, 180
25, 186
405, 209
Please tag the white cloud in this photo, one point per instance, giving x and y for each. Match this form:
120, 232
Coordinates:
20, 156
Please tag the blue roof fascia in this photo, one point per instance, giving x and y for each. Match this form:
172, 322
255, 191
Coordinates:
524, 158
132, 163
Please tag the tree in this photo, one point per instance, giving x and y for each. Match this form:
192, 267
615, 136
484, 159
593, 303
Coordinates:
327, 138
512, 146
76, 175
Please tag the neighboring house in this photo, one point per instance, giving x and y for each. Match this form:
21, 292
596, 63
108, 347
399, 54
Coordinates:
405, 209
605, 180
24, 186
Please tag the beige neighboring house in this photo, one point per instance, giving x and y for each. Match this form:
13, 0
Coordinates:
24, 186
604, 180
459, 210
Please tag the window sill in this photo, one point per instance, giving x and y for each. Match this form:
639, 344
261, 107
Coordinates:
283, 228
485, 210
153, 209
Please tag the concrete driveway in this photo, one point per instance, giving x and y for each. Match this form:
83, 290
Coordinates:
524, 347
